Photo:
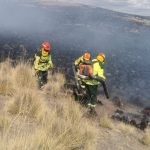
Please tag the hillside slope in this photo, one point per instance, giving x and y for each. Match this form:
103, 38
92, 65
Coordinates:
114, 135
50, 118
40, 119
73, 30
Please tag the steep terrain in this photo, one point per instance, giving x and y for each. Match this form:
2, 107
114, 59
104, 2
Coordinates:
73, 30
51, 119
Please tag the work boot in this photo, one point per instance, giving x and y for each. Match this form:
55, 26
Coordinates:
42, 87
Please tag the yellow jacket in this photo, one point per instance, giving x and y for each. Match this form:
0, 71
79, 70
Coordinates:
78, 61
98, 71
42, 63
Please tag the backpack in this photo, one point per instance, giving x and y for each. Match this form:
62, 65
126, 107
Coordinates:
85, 69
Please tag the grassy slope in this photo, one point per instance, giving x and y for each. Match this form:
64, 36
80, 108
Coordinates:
51, 119
35, 119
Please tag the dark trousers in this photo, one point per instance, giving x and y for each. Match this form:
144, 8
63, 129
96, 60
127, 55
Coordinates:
91, 94
42, 77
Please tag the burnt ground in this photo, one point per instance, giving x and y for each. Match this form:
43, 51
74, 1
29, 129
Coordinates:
75, 29
114, 139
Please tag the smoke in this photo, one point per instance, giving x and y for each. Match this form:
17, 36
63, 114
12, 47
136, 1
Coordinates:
73, 30
138, 7
14, 16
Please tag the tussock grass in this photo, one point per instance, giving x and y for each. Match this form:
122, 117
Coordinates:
14, 77
68, 128
55, 86
60, 132
4, 122
67, 139
47, 119
106, 122
127, 129
146, 137
6, 85
22, 76
6, 67
26, 102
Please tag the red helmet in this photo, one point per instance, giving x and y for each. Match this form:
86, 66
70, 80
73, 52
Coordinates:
46, 45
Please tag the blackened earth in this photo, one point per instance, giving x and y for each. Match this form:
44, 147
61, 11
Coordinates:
76, 29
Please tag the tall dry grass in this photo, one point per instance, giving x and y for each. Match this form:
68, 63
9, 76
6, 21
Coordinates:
27, 102
146, 137
106, 122
47, 119
23, 76
4, 122
20, 76
6, 83
55, 86
66, 131
126, 128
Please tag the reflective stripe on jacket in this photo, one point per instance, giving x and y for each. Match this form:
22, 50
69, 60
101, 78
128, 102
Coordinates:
98, 70
42, 63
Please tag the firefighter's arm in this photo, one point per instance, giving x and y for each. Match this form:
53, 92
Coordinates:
101, 73
36, 62
50, 63
78, 61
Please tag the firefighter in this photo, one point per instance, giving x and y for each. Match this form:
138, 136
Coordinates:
43, 63
86, 57
79, 89
96, 78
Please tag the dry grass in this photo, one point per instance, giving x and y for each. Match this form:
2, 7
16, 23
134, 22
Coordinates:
13, 77
42, 139
55, 86
61, 135
63, 128
26, 102
47, 119
6, 85
106, 122
70, 130
23, 77
127, 129
4, 122
146, 137
6, 67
